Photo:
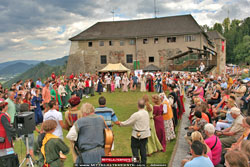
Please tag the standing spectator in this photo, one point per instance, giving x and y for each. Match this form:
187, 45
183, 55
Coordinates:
53, 114
87, 134
125, 83
11, 106
141, 131
62, 92
107, 113
108, 83
135, 81
53, 76
143, 83
6, 130
56, 96
36, 101
50, 146
39, 83
46, 93
117, 81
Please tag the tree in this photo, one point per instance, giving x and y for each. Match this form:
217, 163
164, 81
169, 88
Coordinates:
205, 28
218, 27
242, 50
226, 25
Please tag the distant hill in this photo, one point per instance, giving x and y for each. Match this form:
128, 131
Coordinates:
57, 62
10, 69
29, 62
41, 70
16, 68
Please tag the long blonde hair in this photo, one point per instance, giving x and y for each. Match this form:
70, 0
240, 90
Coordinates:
148, 106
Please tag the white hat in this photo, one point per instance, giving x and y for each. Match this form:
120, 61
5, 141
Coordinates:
235, 110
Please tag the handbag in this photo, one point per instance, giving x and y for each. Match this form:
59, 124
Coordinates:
2, 139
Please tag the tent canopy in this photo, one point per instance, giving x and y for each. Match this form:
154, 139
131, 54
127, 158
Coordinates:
151, 67
115, 68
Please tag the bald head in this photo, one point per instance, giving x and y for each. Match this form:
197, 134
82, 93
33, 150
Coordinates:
141, 104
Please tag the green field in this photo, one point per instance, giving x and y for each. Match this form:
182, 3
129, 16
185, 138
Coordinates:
124, 104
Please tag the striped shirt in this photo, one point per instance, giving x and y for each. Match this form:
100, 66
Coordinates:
108, 115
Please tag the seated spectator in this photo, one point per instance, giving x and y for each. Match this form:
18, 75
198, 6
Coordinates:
236, 159
225, 98
197, 136
213, 143
244, 136
233, 133
198, 160
245, 148
198, 125
216, 97
227, 122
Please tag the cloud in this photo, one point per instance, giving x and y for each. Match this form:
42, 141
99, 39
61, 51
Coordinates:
40, 29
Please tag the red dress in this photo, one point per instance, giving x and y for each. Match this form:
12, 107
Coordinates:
159, 125
7, 143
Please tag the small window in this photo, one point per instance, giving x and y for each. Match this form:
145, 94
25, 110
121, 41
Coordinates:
111, 43
156, 40
121, 43
145, 41
103, 59
151, 59
101, 43
171, 39
90, 44
189, 38
132, 42
129, 58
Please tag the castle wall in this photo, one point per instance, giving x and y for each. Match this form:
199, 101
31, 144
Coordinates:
87, 59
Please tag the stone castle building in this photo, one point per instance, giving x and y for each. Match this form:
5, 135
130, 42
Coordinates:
138, 43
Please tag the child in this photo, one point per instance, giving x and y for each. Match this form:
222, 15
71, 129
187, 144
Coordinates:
50, 148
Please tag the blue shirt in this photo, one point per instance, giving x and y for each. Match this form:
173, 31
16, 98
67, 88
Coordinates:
223, 85
229, 118
199, 162
135, 78
108, 115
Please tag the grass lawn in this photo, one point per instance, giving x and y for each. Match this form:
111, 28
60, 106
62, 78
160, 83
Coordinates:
124, 105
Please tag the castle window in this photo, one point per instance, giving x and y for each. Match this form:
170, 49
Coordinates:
103, 59
121, 43
132, 42
101, 43
151, 59
90, 44
156, 40
111, 43
189, 38
129, 58
145, 41
171, 39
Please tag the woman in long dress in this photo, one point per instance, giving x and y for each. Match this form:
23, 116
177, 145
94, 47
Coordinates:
153, 144
158, 119
125, 83
143, 83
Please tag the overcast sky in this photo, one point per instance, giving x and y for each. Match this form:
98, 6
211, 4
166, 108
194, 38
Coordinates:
40, 29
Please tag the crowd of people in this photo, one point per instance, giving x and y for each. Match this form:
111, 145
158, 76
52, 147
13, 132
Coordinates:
219, 122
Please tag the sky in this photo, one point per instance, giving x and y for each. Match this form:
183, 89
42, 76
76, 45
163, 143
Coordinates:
40, 29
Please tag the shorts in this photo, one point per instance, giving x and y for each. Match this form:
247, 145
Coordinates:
31, 140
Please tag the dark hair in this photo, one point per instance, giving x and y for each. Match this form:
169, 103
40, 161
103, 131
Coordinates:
141, 104
102, 100
197, 147
52, 103
198, 114
233, 97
